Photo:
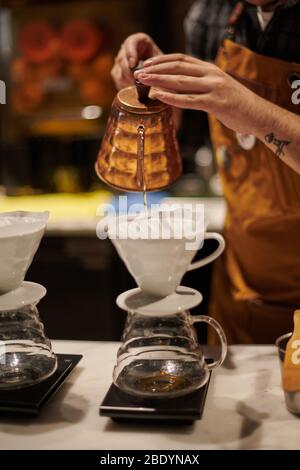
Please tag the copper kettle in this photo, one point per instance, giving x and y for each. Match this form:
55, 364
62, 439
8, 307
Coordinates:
139, 150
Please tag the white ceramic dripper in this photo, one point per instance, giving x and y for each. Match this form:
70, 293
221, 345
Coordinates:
26, 357
158, 265
20, 236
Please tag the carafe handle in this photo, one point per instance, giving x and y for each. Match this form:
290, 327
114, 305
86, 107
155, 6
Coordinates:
214, 324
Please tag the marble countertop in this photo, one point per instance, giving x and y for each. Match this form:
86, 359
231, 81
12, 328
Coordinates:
245, 409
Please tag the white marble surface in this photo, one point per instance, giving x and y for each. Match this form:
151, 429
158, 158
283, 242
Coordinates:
244, 409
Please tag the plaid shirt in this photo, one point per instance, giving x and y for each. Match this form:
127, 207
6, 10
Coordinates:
206, 23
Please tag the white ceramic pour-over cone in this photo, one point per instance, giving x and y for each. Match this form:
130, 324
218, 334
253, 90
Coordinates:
20, 236
26, 357
158, 265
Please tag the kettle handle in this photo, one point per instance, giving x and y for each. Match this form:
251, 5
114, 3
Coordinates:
217, 327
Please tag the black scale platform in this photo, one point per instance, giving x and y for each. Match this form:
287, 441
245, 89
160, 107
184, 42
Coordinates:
122, 408
30, 400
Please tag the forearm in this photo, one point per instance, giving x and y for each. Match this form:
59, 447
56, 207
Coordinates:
279, 129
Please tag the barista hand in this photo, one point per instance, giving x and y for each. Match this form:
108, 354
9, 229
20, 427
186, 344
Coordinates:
187, 82
136, 47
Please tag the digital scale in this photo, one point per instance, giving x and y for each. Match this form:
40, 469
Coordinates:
30, 400
123, 408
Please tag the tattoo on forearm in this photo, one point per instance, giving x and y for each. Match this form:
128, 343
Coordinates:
279, 144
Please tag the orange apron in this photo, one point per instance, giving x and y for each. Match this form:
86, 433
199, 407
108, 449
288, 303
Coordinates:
256, 284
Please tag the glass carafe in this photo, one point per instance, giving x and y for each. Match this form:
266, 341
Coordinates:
139, 150
160, 356
26, 356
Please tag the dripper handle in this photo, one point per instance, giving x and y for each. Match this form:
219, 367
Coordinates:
208, 259
216, 326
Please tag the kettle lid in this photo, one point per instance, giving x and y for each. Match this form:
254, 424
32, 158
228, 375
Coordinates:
128, 99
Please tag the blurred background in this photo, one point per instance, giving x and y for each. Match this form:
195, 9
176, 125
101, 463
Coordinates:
55, 59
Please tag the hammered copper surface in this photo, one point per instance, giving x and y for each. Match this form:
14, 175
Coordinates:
117, 162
